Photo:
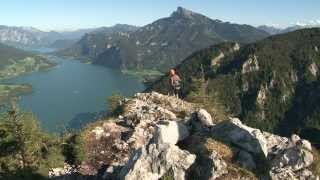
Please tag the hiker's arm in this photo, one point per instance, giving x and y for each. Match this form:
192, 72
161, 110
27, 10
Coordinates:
179, 79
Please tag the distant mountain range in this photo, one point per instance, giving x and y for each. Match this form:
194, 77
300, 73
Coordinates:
161, 44
274, 30
31, 37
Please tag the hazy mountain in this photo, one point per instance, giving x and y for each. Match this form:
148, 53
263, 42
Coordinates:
116, 28
26, 36
270, 29
161, 44
63, 43
274, 30
77, 34
32, 37
293, 28
273, 84
94, 43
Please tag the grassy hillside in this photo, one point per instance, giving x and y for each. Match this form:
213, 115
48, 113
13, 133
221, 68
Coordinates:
7, 54
14, 62
272, 84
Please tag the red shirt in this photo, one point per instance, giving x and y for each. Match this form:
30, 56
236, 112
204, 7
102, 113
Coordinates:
175, 80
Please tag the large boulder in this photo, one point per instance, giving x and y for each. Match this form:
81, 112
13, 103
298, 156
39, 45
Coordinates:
170, 132
284, 157
154, 161
247, 138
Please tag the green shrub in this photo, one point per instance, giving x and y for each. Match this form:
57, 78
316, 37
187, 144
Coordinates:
26, 150
73, 148
168, 175
114, 103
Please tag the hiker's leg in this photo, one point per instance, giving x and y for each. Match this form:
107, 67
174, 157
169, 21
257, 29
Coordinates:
173, 92
177, 93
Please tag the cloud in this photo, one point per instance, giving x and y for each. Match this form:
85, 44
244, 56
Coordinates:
310, 23
314, 22
299, 23
275, 25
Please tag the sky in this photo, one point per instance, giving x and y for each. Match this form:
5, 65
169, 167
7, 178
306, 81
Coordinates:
74, 14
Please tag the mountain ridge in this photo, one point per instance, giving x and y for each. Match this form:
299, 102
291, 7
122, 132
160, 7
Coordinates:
26, 37
164, 42
274, 30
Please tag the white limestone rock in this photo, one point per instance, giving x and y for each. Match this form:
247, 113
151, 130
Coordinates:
170, 132
153, 162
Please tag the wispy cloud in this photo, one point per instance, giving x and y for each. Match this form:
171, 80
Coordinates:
300, 23
275, 25
310, 23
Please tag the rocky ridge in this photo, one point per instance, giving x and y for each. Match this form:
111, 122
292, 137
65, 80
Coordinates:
160, 136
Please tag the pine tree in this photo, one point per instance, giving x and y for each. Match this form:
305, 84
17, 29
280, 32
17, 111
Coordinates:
25, 149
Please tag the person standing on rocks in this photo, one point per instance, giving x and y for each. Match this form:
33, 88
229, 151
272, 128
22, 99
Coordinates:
175, 82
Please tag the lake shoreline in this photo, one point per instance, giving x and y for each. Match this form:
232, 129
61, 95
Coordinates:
66, 94
10, 90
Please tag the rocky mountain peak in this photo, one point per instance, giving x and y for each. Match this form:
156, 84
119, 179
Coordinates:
183, 12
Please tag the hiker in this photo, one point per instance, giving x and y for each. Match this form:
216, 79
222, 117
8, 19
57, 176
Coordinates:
175, 82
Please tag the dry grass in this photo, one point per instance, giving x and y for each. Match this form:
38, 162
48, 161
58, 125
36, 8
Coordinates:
222, 149
228, 154
236, 172
104, 150
217, 111
202, 146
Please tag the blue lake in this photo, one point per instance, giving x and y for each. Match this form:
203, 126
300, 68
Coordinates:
73, 93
